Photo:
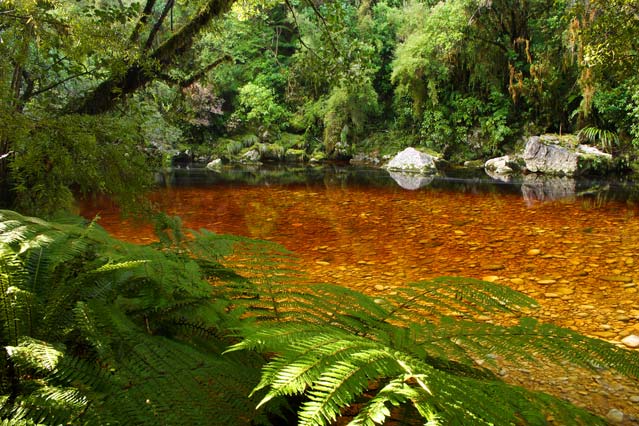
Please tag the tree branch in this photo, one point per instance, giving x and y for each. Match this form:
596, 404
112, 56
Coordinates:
54, 85
156, 28
195, 76
290, 7
148, 9
138, 74
325, 25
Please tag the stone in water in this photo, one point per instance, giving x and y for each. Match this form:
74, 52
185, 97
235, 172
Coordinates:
615, 416
631, 341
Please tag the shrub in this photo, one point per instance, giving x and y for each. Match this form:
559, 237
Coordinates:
260, 107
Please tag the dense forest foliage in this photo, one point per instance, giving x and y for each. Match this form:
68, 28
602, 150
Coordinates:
91, 90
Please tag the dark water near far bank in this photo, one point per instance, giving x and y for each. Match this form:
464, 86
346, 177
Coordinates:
531, 187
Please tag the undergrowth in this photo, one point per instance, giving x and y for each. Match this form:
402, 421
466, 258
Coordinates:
208, 329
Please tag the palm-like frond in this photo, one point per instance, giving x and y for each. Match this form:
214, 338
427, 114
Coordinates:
421, 345
102, 332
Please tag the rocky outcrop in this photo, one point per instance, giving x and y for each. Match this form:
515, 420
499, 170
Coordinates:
412, 161
555, 155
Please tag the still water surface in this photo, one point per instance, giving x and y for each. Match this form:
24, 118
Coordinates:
576, 254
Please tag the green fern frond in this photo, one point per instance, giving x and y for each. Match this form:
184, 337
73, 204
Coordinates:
607, 139
36, 355
49, 405
116, 266
19, 422
131, 329
333, 368
421, 344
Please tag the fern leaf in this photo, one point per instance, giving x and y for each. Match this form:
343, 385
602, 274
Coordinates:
37, 355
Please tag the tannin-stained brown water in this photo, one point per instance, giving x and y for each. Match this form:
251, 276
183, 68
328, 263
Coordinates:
577, 257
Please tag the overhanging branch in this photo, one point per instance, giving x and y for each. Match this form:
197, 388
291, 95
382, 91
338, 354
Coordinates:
140, 73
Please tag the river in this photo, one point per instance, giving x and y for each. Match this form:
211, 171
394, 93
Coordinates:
360, 228
572, 245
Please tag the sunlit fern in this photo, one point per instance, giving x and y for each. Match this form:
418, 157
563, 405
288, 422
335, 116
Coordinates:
98, 331
606, 139
421, 345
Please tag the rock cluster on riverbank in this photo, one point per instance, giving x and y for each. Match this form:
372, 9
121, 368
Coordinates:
552, 155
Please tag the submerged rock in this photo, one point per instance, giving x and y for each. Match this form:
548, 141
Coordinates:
615, 415
411, 160
631, 341
551, 154
411, 181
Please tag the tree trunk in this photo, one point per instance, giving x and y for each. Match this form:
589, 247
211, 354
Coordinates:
107, 93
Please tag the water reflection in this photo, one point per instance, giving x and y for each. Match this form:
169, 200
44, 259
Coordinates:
499, 177
532, 188
548, 188
411, 181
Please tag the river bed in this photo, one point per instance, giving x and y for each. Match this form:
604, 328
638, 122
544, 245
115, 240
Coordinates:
577, 254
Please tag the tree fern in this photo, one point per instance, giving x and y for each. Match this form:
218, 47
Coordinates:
99, 331
420, 345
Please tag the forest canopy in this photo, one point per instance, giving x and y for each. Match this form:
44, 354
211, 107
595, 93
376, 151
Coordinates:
127, 83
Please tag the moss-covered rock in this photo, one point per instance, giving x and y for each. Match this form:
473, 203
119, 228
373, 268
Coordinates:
317, 156
295, 155
291, 140
271, 151
564, 156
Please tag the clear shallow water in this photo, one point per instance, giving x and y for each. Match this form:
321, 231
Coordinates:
572, 245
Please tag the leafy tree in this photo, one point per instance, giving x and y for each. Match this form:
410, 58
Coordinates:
62, 58
259, 106
602, 35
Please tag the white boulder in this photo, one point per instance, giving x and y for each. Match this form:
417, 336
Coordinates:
411, 160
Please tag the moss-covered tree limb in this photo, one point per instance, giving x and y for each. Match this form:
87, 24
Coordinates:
141, 72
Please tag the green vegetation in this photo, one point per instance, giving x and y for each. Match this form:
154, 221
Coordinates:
96, 94
97, 331
89, 82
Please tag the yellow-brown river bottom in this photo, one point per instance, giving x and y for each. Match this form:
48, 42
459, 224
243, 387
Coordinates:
579, 259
